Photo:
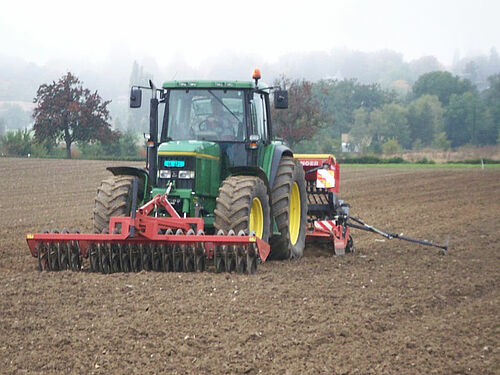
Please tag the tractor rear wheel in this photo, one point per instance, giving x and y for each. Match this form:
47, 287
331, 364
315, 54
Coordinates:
243, 204
289, 197
114, 198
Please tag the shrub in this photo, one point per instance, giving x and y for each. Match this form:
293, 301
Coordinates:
16, 143
441, 142
391, 147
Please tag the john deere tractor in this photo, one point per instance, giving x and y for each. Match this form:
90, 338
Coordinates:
216, 157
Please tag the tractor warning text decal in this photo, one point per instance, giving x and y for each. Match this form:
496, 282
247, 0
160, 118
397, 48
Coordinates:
325, 178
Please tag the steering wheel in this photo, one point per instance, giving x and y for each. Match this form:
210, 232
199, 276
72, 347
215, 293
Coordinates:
203, 126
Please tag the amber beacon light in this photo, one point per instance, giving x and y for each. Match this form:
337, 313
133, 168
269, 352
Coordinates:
256, 75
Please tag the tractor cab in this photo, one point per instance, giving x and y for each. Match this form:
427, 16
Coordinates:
203, 132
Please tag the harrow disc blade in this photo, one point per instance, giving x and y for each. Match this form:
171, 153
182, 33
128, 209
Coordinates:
166, 256
52, 254
156, 258
93, 258
42, 251
241, 259
145, 250
63, 253
135, 258
124, 258
187, 258
252, 260
220, 266
115, 260
104, 258
199, 263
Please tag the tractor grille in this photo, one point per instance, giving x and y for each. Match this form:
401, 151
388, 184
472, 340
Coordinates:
186, 163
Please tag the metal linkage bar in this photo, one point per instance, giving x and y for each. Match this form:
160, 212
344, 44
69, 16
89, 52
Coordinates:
389, 235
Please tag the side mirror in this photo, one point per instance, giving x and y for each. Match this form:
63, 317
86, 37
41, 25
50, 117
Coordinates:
135, 97
281, 99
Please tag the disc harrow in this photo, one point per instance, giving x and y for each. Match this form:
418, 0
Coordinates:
111, 256
148, 243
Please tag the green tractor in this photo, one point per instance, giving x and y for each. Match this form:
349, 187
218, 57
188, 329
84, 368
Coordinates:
216, 157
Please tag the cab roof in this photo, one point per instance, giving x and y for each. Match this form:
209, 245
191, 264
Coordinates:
209, 84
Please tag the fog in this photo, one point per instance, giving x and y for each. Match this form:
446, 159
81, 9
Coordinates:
94, 31
382, 42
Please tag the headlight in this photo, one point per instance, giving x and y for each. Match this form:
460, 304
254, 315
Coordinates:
186, 174
165, 174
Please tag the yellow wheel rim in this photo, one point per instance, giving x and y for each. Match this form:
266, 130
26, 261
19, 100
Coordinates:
256, 223
294, 214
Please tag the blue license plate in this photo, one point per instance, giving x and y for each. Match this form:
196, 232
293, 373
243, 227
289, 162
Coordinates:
174, 163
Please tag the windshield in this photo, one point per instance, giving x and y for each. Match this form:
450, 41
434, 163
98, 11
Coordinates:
206, 114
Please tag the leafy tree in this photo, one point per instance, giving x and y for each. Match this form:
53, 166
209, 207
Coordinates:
468, 121
425, 118
2, 126
68, 112
303, 117
390, 121
442, 84
342, 98
492, 98
361, 132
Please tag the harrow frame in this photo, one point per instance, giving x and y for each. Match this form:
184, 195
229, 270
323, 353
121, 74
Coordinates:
142, 229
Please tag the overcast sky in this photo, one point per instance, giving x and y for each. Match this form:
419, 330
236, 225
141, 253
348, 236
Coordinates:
89, 30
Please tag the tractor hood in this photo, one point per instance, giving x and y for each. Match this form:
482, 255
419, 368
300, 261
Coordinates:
198, 149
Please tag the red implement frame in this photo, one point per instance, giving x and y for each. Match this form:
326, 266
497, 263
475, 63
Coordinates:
316, 165
147, 230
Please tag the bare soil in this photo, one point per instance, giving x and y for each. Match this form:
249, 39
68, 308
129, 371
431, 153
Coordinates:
391, 307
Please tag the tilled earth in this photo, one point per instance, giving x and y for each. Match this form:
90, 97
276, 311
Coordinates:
391, 307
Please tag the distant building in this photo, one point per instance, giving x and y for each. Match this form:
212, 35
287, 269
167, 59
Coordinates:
348, 145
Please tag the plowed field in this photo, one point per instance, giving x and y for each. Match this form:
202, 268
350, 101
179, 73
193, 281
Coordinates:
391, 307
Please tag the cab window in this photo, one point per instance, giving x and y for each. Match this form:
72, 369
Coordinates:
259, 115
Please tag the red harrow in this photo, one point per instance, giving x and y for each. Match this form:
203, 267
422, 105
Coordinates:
143, 242
175, 243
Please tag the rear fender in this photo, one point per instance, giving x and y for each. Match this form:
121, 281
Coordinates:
142, 174
279, 152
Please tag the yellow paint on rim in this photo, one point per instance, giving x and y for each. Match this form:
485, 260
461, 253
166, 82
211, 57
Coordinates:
188, 153
294, 214
256, 222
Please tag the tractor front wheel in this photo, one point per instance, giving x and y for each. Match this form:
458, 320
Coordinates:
114, 198
243, 204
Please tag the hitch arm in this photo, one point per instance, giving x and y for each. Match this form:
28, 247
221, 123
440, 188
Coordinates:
389, 235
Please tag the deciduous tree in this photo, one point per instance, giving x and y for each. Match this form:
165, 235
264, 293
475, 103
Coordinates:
468, 121
442, 84
66, 111
425, 118
303, 117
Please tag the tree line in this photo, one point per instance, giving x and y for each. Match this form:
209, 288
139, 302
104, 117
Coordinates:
440, 111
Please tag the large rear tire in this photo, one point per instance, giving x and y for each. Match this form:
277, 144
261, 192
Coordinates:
243, 204
114, 198
289, 198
